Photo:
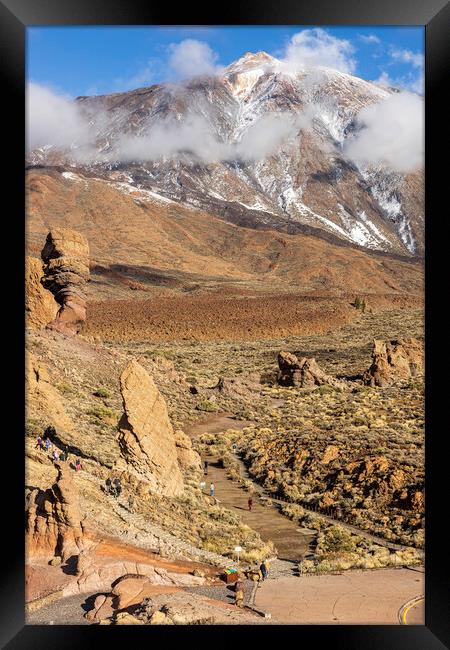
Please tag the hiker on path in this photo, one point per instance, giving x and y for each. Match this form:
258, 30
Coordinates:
211, 490
78, 465
108, 485
239, 592
205, 466
264, 570
55, 455
117, 487
63, 456
48, 444
250, 503
40, 443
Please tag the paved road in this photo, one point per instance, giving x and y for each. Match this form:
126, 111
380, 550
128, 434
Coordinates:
353, 597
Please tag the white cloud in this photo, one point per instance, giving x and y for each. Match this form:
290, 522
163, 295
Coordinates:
416, 59
412, 82
190, 58
53, 118
391, 134
194, 139
317, 47
369, 38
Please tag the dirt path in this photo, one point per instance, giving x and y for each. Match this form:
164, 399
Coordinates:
292, 542
354, 597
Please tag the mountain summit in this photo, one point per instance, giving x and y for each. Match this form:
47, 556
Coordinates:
258, 145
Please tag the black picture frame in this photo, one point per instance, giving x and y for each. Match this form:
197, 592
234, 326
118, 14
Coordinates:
15, 16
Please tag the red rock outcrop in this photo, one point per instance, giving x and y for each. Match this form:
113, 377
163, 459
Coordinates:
53, 520
394, 361
303, 372
40, 305
66, 269
146, 437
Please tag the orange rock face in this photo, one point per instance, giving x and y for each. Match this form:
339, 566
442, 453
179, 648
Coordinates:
40, 305
66, 268
302, 372
53, 524
146, 437
394, 361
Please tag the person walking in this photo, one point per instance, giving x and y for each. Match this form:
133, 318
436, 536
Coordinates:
263, 569
55, 455
62, 456
40, 444
250, 503
48, 444
117, 486
108, 486
211, 490
205, 467
78, 465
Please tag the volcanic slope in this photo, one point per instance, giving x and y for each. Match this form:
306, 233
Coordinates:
224, 164
141, 242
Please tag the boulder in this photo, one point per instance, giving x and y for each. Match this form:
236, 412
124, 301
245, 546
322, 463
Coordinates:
146, 437
53, 519
188, 458
66, 269
394, 361
40, 306
302, 372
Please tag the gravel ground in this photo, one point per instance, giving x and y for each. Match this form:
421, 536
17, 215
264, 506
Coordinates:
67, 611
223, 592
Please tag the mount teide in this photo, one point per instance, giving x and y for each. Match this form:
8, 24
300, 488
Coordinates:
305, 184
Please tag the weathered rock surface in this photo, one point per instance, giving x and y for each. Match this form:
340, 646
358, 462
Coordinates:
303, 372
394, 361
66, 269
188, 458
146, 437
182, 608
40, 306
42, 398
53, 519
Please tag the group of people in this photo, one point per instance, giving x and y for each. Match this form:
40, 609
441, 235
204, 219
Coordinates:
57, 455
113, 487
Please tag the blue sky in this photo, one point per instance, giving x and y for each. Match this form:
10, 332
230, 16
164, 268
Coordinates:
98, 60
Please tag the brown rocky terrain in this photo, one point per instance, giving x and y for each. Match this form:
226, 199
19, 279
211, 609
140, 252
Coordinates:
40, 307
302, 372
394, 361
66, 270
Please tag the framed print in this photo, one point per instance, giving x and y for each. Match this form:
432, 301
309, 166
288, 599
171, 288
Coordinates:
231, 278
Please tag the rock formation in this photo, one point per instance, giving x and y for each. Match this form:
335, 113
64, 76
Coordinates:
146, 437
394, 361
53, 519
66, 268
40, 305
188, 458
176, 607
42, 399
303, 372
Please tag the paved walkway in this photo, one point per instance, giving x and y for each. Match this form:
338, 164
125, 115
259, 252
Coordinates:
353, 597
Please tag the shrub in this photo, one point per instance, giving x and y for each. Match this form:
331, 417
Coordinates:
336, 539
206, 405
102, 392
102, 413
